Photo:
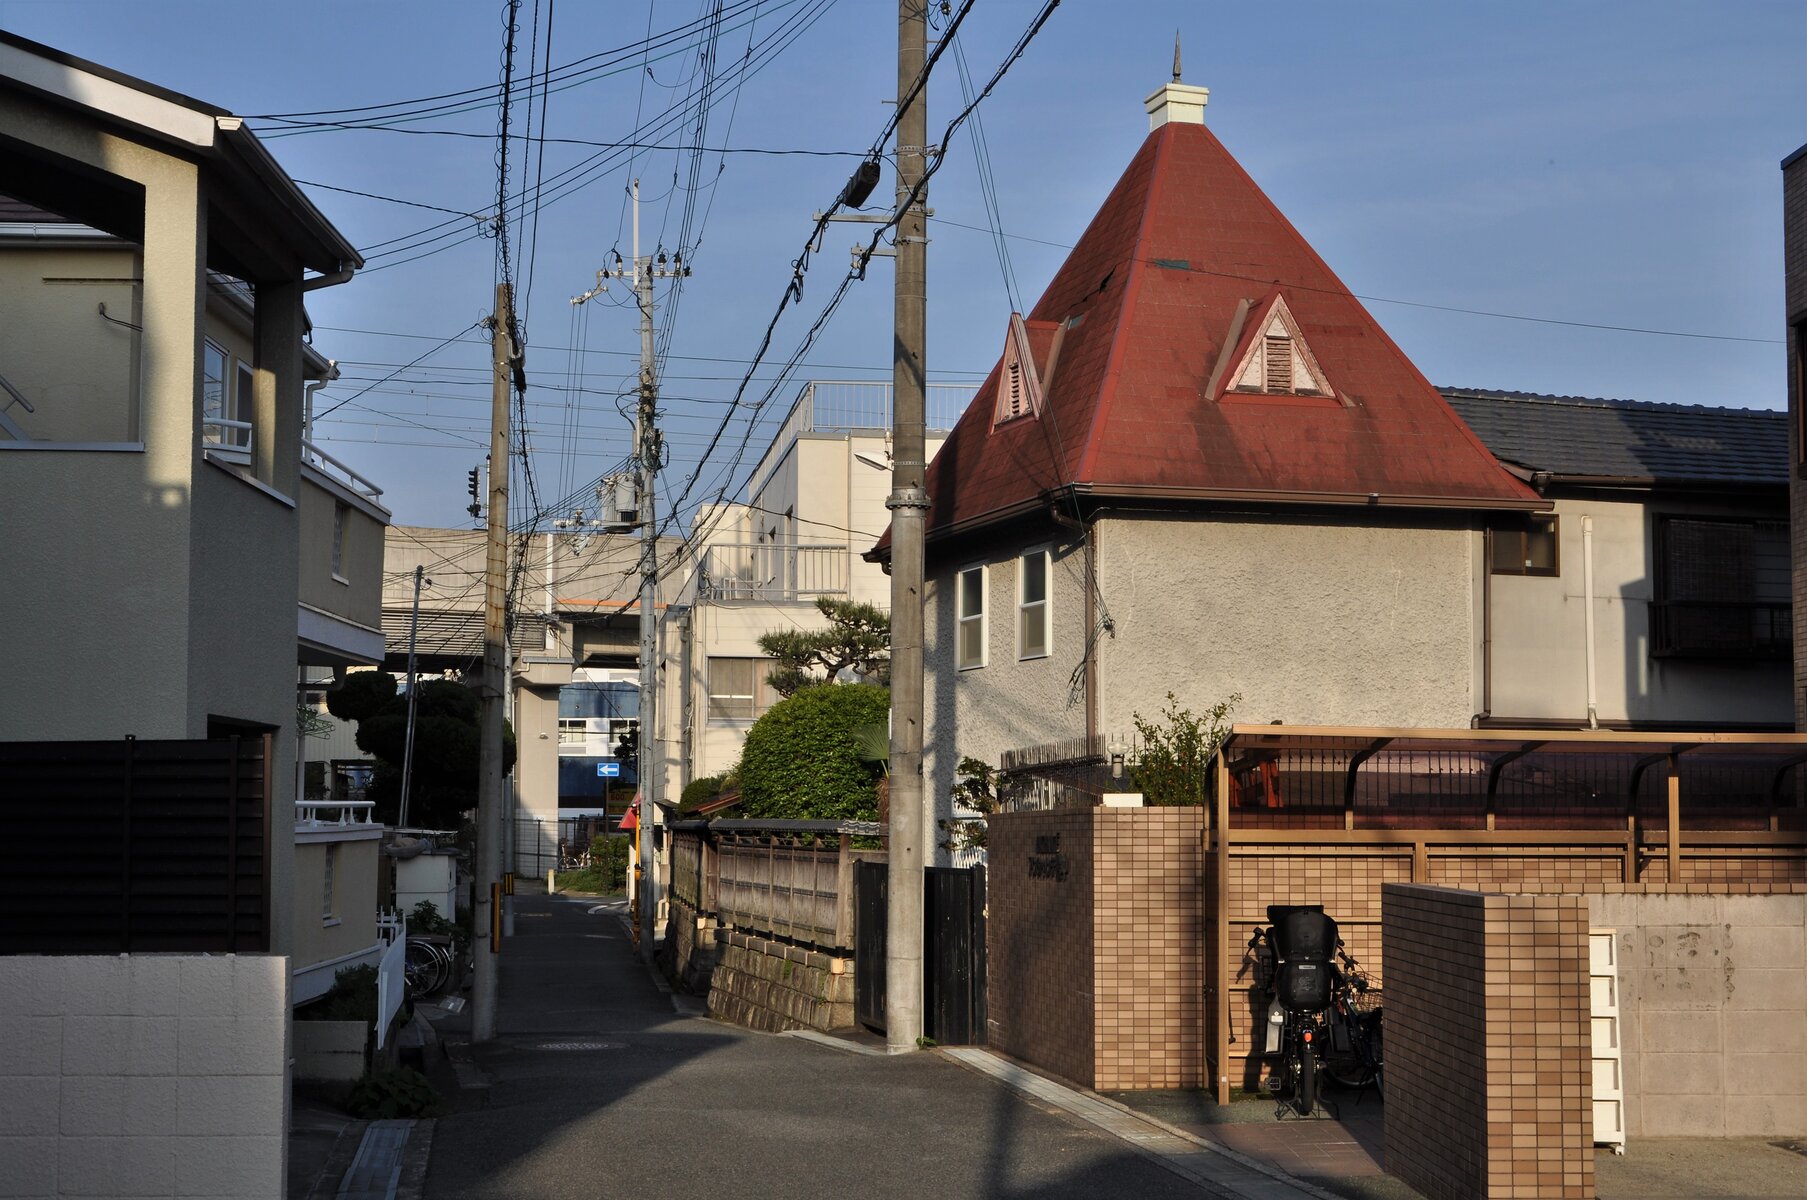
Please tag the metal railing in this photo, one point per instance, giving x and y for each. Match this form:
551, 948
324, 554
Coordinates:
1721, 629
313, 456
772, 571
351, 814
227, 433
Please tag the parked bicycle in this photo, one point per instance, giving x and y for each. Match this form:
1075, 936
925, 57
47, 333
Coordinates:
1322, 1016
427, 963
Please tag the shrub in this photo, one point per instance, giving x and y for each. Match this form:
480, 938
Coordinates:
608, 856
699, 791
351, 998
393, 1093
802, 759
1173, 766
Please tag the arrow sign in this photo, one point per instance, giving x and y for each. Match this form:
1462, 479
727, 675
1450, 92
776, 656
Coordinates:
609, 768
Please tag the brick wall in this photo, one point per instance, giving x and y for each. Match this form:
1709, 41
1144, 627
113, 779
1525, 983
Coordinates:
1148, 945
144, 1075
1039, 941
1489, 1088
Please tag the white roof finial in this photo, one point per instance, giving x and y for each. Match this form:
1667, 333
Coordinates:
1176, 101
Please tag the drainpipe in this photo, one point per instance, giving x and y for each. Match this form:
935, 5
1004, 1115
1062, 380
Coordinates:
1486, 628
307, 410
334, 279
1587, 587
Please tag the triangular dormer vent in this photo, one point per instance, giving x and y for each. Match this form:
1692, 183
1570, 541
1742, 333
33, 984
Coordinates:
1019, 384
1275, 360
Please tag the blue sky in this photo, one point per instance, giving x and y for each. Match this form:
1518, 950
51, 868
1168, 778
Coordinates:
1602, 164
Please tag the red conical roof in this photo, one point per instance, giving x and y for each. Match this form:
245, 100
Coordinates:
1185, 248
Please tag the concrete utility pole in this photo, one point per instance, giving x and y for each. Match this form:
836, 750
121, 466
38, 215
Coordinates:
507, 368
420, 573
909, 506
648, 447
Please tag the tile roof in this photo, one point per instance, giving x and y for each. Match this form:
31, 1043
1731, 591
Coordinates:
1149, 296
1580, 437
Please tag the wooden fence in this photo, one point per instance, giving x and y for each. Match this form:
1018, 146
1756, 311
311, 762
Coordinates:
116, 847
784, 879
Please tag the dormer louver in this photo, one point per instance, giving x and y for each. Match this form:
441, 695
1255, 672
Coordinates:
1274, 359
1019, 383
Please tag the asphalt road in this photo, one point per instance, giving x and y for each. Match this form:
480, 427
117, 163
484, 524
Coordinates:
598, 1089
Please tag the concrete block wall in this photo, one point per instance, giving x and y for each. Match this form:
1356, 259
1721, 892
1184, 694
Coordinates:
1039, 928
1713, 1012
1489, 1088
769, 985
144, 1075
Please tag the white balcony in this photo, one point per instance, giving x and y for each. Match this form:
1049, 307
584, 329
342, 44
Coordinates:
771, 572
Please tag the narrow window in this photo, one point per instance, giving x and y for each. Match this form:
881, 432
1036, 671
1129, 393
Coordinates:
339, 514
969, 618
1032, 605
1529, 549
328, 901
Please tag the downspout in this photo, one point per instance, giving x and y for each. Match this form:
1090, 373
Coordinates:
307, 409
1486, 627
1587, 587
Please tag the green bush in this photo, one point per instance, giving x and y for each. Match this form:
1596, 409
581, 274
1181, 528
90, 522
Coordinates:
1173, 766
802, 760
699, 791
608, 856
393, 1093
351, 998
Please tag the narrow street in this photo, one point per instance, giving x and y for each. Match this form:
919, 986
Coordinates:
596, 1086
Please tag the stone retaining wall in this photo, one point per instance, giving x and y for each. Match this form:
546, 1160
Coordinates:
772, 986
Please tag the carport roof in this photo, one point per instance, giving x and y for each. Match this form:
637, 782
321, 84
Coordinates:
1360, 739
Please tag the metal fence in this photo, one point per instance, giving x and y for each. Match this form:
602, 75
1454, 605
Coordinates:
562, 845
772, 571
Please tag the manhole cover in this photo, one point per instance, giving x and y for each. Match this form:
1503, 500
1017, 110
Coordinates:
581, 1046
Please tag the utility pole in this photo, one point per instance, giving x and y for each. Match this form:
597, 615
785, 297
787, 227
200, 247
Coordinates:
507, 368
909, 505
648, 447
408, 747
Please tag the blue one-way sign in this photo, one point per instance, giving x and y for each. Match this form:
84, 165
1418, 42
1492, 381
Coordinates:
609, 768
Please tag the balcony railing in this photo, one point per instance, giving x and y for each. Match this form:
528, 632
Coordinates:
768, 571
326, 464
336, 814
1720, 629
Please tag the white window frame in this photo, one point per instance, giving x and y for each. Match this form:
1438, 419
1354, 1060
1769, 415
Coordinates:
961, 617
758, 702
1045, 604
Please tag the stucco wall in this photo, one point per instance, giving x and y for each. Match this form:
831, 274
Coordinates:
78, 372
1713, 1009
358, 594
1540, 646
144, 1075
1312, 622
129, 511
983, 711
352, 927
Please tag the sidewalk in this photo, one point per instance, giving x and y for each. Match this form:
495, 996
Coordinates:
596, 1085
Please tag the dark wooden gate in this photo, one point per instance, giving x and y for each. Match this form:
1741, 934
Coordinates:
869, 917
953, 977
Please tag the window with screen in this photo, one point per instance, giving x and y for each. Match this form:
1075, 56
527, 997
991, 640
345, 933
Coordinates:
738, 690
969, 618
